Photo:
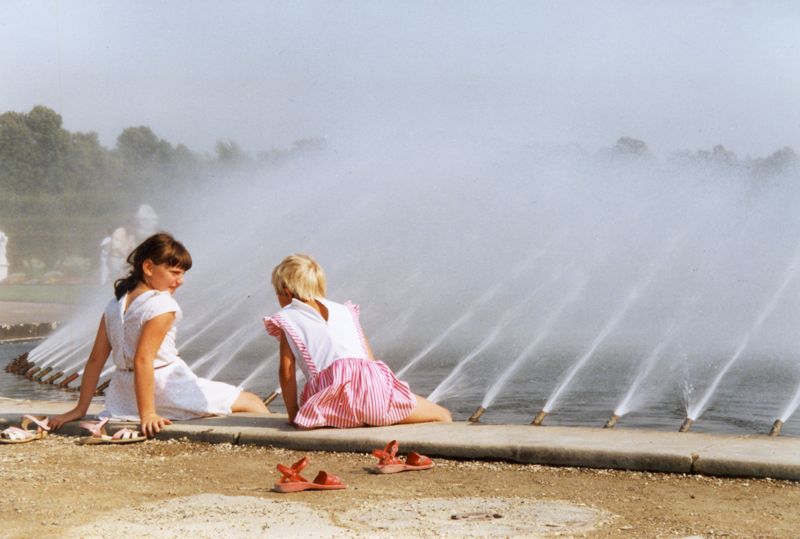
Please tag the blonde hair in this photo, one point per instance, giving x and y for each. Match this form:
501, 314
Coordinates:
301, 275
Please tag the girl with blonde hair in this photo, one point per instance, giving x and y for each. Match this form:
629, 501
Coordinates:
346, 386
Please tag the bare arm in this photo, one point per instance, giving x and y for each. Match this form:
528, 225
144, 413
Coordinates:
91, 374
369, 349
150, 339
287, 374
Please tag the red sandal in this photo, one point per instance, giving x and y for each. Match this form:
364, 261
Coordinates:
292, 481
389, 463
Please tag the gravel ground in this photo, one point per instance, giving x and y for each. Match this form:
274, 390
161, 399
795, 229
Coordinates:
56, 488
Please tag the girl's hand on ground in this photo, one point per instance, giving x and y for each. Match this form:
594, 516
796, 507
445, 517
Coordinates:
58, 421
153, 423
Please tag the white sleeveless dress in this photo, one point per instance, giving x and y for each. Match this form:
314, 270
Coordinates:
179, 393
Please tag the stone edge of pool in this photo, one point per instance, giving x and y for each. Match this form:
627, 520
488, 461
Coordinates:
757, 456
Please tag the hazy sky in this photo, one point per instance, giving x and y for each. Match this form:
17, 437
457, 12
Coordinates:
675, 74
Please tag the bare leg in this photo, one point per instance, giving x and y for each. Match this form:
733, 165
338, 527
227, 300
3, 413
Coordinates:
249, 402
427, 411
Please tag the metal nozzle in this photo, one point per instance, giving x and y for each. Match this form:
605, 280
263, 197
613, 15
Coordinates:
28, 367
611, 422
537, 421
776, 428
271, 397
53, 378
686, 425
68, 379
30, 372
41, 374
476, 415
102, 388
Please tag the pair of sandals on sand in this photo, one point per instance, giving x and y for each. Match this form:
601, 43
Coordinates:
388, 462
97, 429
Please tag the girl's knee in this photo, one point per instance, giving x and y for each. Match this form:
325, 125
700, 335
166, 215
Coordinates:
249, 402
445, 416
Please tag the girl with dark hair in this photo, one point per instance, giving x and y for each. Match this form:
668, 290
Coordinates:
151, 383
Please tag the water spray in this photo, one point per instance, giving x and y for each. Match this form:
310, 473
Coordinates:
476, 415
612, 421
537, 421
686, 425
766, 311
776, 428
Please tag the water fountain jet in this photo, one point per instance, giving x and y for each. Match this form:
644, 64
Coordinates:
695, 411
611, 423
30, 370
631, 298
101, 389
68, 380
53, 378
537, 421
41, 374
476, 415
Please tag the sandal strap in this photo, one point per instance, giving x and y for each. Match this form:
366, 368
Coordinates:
41, 422
292, 475
388, 455
325, 478
96, 428
125, 434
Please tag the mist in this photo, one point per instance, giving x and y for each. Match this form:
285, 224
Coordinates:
571, 200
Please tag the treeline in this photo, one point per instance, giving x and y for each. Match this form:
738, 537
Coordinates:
61, 191
718, 159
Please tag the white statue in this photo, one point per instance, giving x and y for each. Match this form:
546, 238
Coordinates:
105, 250
123, 241
146, 222
3, 258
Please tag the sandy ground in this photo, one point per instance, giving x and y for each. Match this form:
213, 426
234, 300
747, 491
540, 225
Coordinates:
57, 488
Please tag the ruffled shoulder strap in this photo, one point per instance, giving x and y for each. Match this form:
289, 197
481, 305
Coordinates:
276, 326
273, 326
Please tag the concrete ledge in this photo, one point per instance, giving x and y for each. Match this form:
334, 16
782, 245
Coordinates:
622, 449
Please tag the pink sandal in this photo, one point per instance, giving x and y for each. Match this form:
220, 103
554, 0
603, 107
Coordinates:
292, 481
389, 463
100, 436
21, 434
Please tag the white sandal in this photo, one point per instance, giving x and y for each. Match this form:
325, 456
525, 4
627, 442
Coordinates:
100, 436
21, 434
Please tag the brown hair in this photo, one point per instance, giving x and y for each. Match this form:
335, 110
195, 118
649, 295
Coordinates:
159, 248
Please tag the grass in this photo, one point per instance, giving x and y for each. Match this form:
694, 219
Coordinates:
45, 293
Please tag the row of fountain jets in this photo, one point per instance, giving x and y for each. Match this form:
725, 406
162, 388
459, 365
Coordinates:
23, 367
50, 362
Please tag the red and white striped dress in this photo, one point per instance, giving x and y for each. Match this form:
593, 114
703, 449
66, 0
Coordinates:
344, 388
